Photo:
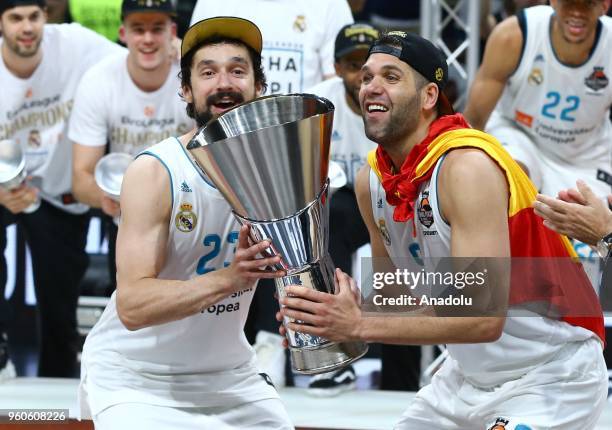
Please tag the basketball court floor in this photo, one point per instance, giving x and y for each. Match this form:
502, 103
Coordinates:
353, 410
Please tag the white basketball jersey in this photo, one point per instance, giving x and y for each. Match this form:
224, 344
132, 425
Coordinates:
526, 341
201, 360
563, 109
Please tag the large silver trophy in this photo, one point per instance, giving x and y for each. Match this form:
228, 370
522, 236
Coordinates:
13, 171
269, 158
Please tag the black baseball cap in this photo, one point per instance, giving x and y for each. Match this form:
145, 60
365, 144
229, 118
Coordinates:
352, 37
423, 56
223, 26
131, 6
9, 4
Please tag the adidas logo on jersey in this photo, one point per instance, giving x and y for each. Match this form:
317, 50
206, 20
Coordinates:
336, 135
185, 188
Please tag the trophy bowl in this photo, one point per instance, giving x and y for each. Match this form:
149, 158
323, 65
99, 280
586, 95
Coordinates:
109, 173
13, 169
12, 165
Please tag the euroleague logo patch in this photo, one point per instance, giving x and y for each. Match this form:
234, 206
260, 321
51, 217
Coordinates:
500, 424
597, 80
186, 220
503, 424
424, 211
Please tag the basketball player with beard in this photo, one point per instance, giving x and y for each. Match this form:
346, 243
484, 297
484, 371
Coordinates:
170, 346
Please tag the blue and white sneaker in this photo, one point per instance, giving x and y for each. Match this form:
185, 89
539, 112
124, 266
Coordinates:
332, 383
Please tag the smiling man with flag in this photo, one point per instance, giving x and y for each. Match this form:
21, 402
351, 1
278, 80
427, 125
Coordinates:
441, 189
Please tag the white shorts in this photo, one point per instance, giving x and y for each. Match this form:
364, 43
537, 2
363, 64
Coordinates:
269, 414
568, 392
548, 175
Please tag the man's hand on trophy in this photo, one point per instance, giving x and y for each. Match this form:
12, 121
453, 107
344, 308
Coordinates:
110, 206
335, 317
18, 199
248, 266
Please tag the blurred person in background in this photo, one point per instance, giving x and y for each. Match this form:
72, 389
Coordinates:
42, 65
544, 91
128, 101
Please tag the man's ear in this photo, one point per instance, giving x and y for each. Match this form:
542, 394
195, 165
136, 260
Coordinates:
122, 34
258, 90
186, 94
337, 68
429, 96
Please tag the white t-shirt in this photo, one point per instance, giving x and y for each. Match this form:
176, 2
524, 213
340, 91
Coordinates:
298, 36
35, 111
116, 110
201, 360
349, 146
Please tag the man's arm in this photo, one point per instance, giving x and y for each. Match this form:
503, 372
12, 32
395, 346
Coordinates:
89, 131
337, 13
84, 187
579, 214
469, 180
142, 299
501, 58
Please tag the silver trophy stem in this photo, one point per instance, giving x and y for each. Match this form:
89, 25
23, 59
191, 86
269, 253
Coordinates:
301, 241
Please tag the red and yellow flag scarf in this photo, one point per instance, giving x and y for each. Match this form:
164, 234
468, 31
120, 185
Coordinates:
556, 277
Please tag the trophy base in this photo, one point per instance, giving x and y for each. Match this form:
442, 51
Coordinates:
326, 357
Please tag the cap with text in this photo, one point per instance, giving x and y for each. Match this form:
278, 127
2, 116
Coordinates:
160, 6
222, 26
353, 37
423, 56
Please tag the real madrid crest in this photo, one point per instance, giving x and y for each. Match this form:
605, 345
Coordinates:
186, 220
299, 24
382, 227
535, 77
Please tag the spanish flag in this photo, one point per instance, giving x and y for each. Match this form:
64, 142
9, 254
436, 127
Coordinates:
548, 270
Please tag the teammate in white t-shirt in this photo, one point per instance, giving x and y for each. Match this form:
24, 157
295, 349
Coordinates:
436, 189
544, 91
298, 36
129, 102
39, 72
171, 338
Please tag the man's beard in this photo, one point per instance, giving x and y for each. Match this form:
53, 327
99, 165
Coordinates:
202, 117
352, 93
17, 50
403, 122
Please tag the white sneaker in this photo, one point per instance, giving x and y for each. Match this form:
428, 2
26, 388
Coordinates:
7, 370
271, 356
332, 383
